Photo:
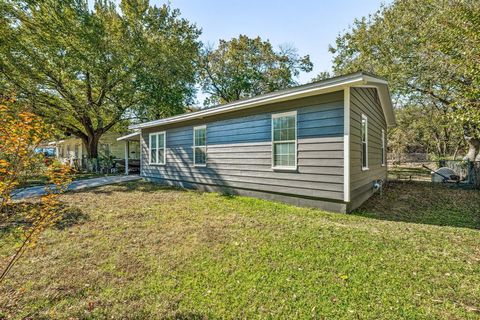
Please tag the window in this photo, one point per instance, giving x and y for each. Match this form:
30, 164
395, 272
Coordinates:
383, 147
284, 140
200, 146
157, 148
364, 142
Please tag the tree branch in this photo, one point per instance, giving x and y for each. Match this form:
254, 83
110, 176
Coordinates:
430, 93
214, 84
89, 89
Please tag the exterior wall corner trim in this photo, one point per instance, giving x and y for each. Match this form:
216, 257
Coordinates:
346, 144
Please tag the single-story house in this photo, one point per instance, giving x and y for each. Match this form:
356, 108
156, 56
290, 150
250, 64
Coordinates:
321, 144
72, 151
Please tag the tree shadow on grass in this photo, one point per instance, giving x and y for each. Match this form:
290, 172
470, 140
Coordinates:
414, 202
425, 203
127, 187
228, 195
70, 217
16, 216
188, 316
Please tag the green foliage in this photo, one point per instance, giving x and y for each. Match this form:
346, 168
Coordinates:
425, 129
245, 67
322, 76
428, 50
87, 70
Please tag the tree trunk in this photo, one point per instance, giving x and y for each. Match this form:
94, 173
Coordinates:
473, 148
457, 149
91, 145
473, 142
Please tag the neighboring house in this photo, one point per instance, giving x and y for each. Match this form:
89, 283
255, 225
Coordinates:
321, 144
72, 150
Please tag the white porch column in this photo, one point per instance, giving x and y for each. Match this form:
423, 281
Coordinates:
127, 151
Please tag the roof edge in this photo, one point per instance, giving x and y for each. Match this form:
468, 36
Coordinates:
324, 86
128, 136
385, 101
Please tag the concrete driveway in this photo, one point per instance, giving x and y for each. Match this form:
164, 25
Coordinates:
30, 192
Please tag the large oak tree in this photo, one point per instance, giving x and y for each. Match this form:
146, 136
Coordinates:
245, 67
429, 50
87, 69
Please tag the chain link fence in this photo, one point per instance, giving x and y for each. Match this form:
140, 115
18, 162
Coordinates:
419, 167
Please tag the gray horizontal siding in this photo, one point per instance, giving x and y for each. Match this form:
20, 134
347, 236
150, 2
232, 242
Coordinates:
239, 151
365, 101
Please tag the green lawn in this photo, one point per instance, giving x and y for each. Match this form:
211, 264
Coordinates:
138, 251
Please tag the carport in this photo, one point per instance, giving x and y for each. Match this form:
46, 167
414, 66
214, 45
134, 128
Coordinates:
132, 137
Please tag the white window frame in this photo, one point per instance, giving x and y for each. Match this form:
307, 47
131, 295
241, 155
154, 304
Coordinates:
364, 117
286, 168
383, 149
157, 134
195, 146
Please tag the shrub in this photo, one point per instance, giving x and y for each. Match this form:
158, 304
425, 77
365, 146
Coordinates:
20, 134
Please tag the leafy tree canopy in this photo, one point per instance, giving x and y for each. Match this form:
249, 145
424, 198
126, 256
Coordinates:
422, 128
322, 76
87, 70
429, 50
244, 67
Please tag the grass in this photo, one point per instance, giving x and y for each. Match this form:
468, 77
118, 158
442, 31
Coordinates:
426, 203
137, 251
399, 172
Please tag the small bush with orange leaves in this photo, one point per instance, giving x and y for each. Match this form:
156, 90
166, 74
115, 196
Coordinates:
20, 134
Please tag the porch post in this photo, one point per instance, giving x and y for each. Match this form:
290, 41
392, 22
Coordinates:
127, 147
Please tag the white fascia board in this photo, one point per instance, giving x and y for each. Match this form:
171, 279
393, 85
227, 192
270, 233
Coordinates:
128, 136
254, 102
385, 99
371, 79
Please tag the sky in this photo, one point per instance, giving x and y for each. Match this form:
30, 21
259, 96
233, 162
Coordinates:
309, 25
